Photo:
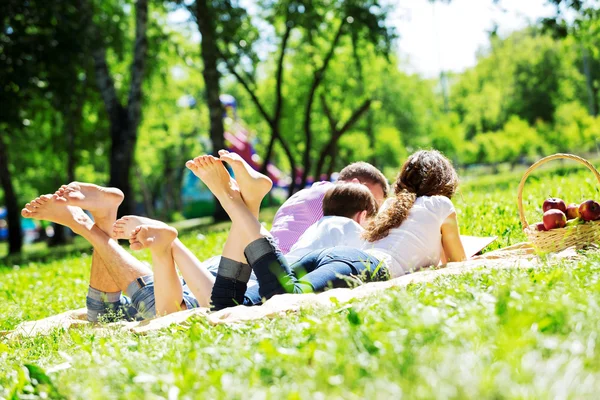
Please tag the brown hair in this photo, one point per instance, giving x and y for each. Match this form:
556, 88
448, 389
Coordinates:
365, 172
425, 173
347, 199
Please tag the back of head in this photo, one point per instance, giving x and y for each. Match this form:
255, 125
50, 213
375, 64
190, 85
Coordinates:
348, 199
365, 172
425, 173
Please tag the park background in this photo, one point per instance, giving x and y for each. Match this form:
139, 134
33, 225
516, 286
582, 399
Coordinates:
122, 93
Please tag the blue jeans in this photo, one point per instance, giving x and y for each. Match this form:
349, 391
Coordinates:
139, 304
315, 272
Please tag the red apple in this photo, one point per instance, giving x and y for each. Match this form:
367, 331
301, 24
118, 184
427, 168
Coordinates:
540, 227
554, 204
590, 210
573, 211
554, 219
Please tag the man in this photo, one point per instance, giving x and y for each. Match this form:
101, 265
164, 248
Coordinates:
305, 208
114, 271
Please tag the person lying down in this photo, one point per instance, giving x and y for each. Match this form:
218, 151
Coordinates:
421, 196
122, 287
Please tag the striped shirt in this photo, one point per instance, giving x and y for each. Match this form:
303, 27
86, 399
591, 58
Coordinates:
298, 213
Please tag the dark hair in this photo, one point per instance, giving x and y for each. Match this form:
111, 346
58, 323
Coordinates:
365, 172
425, 173
347, 199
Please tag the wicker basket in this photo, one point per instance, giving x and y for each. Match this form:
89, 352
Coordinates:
562, 238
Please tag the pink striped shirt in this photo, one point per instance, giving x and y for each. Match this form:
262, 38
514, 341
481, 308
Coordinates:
298, 213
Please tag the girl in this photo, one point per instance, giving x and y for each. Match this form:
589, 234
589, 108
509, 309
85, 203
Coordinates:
415, 226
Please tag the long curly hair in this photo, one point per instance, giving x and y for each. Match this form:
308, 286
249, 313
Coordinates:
425, 173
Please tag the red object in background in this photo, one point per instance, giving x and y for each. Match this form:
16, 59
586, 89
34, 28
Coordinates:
239, 143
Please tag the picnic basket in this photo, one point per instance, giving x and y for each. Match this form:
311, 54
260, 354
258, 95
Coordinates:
559, 239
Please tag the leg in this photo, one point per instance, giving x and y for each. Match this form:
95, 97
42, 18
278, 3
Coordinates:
102, 204
122, 266
168, 291
198, 278
233, 275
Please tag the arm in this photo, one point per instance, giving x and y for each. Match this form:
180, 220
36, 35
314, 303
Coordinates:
451, 242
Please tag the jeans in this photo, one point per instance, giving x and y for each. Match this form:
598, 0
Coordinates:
139, 304
315, 272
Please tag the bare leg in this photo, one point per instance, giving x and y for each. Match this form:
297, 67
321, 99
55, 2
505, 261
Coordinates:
254, 186
197, 277
214, 175
168, 291
122, 266
233, 274
102, 204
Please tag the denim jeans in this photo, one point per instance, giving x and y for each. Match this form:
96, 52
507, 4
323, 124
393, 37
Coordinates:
314, 272
137, 305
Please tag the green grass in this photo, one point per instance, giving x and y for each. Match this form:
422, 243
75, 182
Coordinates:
526, 333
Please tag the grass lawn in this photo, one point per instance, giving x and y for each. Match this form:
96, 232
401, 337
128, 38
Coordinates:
488, 334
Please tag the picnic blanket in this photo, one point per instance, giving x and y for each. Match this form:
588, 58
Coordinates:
521, 255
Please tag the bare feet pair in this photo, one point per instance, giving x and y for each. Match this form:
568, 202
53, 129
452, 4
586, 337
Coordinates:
65, 206
144, 233
249, 185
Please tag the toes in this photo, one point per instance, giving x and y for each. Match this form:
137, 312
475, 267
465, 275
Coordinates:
223, 152
136, 246
191, 165
134, 233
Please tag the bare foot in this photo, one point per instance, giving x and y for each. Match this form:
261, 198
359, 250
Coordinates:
254, 186
123, 227
155, 238
102, 202
214, 175
53, 208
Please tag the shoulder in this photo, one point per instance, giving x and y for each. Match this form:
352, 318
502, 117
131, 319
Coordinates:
439, 205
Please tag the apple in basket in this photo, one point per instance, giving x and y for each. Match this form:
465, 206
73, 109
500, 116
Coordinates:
554, 218
540, 227
590, 210
554, 203
573, 211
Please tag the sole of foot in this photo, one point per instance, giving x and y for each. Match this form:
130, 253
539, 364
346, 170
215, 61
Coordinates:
212, 172
100, 201
56, 209
254, 186
155, 238
123, 227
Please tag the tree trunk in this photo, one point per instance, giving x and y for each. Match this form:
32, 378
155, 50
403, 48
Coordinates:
332, 161
210, 56
15, 236
124, 121
72, 115
122, 155
318, 77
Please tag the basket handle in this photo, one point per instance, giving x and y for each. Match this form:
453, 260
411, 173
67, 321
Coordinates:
543, 161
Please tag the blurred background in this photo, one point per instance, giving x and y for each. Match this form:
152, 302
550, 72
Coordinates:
122, 93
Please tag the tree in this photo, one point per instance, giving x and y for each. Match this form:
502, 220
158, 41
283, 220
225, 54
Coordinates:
39, 45
124, 118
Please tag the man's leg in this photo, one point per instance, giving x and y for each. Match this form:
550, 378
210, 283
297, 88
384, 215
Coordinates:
104, 212
125, 270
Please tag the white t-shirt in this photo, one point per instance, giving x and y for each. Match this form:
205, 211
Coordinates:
417, 242
330, 231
